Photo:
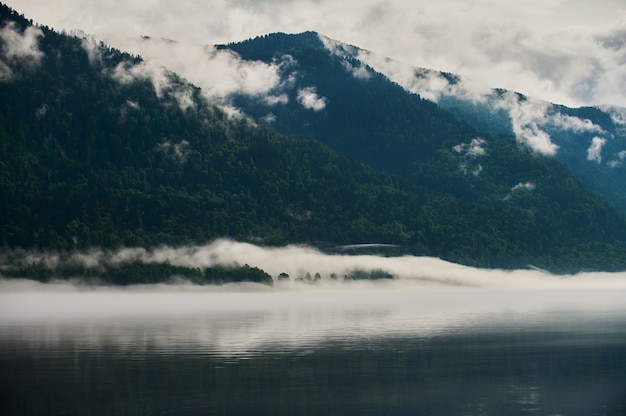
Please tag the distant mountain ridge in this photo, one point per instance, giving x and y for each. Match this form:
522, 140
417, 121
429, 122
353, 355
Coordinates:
590, 141
95, 153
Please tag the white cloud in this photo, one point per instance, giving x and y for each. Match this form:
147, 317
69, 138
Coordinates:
18, 46
358, 71
21, 45
526, 186
469, 152
343, 50
594, 152
125, 74
222, 73
618, 114
564, 51
575, 124
429, 84
219, 73
473, 149
276, 99
179, 152
309, 99
93, 48
426, 83
529, 186
527, 116
269, 118
338, 47
618, 161
6, 74
297, 260
184, 96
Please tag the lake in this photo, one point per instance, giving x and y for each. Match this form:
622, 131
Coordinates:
344, 348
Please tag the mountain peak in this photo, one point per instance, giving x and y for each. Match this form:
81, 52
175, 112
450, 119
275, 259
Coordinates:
279, 42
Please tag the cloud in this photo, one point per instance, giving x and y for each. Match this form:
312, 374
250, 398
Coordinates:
298, 260
428, 84
276, 99
574, 124
527, 117
6, 74
308, 98
357, 70
243, 320
529, 186
594, 152
339, 48
530, 118
435, 295
343, 50
153, 70
618, 114
179, 152
526, 186
619, 160
93, 48
184, 96
219, 73
565, 51
126, 73
18, 47
21, 45
473, 149
269, 118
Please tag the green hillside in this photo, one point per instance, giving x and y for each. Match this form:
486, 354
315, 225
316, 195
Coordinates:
92, 158
366, 118
605, 174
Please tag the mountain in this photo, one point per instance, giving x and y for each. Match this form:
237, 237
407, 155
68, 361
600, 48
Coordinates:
360, 114
100, 149
590, 141
383, 112
94, 154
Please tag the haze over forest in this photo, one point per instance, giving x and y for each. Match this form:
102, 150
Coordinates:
300, 139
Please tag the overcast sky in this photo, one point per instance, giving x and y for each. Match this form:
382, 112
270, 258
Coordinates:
571, 52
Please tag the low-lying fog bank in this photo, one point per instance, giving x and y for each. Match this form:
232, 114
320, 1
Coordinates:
315, 304
278, 265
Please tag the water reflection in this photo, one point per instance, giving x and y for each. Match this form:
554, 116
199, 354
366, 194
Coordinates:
239, 321
355, 350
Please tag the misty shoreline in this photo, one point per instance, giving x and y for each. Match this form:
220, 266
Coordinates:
226, 262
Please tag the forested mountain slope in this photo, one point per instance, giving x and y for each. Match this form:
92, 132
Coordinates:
95, 153
362, 115
590, 141
365, 115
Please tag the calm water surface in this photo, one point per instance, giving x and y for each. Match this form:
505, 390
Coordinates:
385, 349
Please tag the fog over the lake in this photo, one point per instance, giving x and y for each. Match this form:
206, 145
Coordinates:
298, 260
427, 297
